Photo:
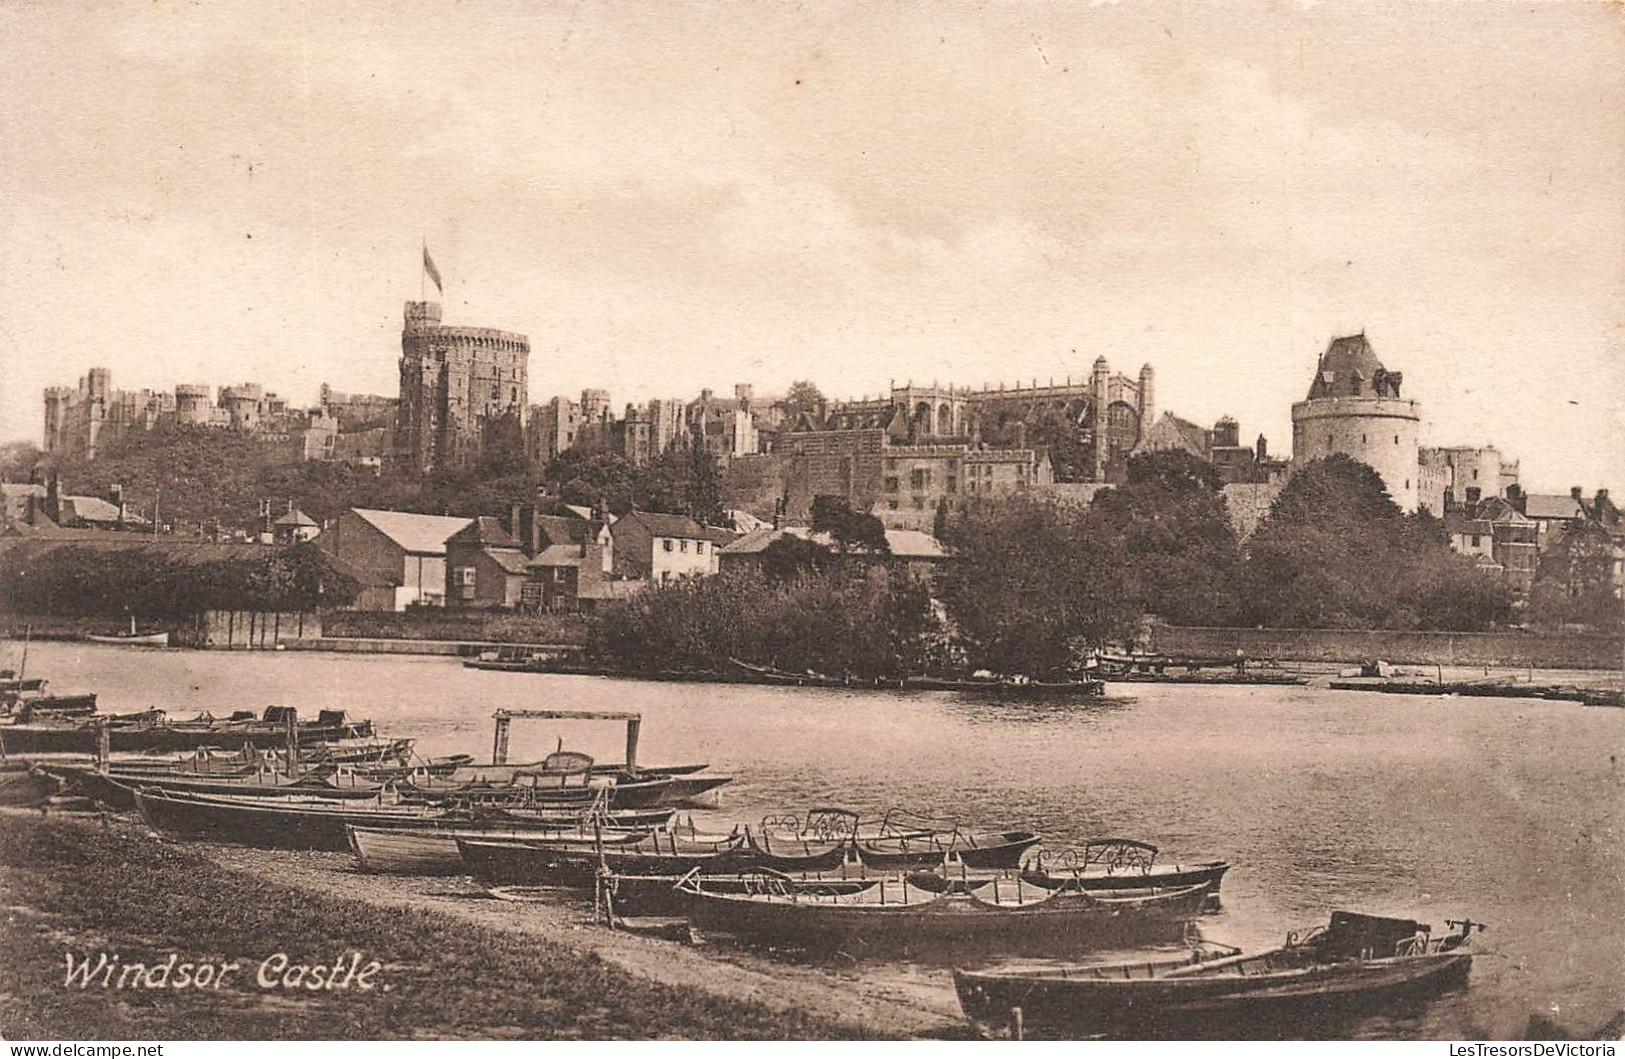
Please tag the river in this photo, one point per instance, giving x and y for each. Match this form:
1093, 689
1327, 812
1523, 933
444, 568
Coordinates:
1509, 811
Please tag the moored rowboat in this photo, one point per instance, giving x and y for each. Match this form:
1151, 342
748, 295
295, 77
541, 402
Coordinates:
894, 918
1356, 964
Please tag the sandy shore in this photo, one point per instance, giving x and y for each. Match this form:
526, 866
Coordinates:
900, 1004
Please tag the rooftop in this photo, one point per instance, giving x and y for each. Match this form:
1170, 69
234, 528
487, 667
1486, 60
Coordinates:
419, 534
1552, 505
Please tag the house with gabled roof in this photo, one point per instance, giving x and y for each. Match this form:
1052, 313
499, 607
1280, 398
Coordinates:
657, 547
402, 548
485, 566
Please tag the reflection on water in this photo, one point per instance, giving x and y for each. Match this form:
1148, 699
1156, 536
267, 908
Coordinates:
1508, 811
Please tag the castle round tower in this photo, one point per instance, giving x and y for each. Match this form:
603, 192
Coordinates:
193, 404
1354, 408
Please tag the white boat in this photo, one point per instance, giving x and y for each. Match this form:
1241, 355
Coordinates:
137, 639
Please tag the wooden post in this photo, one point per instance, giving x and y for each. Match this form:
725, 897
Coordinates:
1016, 1024
499, 748
633, 725
293, 744
104, 744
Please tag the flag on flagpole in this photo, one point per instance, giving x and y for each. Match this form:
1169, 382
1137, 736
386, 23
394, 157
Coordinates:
434, 273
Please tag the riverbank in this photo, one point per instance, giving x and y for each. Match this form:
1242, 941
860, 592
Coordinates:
451, 963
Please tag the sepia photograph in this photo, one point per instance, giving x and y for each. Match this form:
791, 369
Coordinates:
681, 521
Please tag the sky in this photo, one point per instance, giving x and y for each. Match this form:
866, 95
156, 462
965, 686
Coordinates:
671, 196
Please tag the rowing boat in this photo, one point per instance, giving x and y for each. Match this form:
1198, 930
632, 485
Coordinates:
577, 864
309, 822
1116, 863
973, 849
1358, 963
417, 851
894, 919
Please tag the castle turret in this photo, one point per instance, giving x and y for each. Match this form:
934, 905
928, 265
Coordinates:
1099, 383
1147, 402
1354, 408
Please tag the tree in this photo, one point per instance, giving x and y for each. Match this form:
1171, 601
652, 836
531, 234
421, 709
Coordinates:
704, 482
790, 557
1050, 428
803, 398
1170, 519
1031, 581
848, 528
1574, 583
1337, 552
18, 460
586, 477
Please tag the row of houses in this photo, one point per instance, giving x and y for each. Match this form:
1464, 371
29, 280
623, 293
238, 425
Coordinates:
557, 558
1506, 535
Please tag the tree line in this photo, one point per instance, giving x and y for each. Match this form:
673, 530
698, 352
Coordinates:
165, 581
1035, 584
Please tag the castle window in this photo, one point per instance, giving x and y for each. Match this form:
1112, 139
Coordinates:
1396, 439
1362, 439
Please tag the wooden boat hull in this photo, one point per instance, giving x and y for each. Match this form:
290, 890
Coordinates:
415, 851
146, 639
952, 926
577, 864
1269, 1005
81, 738
655, 792
301, 825
999, 850
1206, 873
659, 895
117, 789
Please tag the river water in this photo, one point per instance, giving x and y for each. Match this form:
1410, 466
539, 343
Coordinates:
1509, 811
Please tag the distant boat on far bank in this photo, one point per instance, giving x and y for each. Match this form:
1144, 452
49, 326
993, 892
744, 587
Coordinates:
133, 638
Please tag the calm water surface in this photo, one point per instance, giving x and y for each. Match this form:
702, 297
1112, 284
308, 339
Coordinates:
1505, 810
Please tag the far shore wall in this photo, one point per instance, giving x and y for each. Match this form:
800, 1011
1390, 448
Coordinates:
1541, 650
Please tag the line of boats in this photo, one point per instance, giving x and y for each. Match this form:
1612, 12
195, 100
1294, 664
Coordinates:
825, 880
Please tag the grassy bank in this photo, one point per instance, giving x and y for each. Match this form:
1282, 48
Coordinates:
70, 886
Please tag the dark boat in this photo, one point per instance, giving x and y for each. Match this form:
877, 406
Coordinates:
769, 675
526, 863
1117, 863
895, 919
973, 849
53, 707
117, 789
296, 822
416, 851
1356, 964
656, 895
153, 731
640, 790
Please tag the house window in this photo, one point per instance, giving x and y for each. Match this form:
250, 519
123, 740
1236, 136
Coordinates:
682, 546
699, 547
891, 484
1475, 540
667, 543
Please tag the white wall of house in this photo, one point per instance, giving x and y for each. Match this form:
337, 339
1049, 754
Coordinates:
675, 557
